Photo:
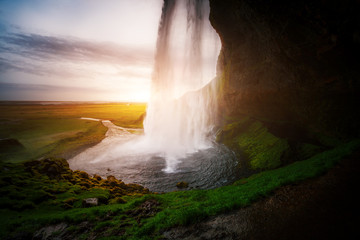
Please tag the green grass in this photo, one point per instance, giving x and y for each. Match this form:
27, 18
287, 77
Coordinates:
181, 208
57, 130
29, 201
262, 149
175, 208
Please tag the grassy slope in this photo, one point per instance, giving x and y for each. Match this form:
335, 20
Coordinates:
29, 203
262, 150
175, 208
52, 130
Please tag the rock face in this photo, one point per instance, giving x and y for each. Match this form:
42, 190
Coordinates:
291, 67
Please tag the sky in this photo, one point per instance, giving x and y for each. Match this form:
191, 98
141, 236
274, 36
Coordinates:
77, 50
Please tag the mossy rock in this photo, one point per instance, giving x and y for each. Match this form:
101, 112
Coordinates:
252, 140
70, 201
182, 185
54, 168
97, 177
82, 174
40, 196
117, 200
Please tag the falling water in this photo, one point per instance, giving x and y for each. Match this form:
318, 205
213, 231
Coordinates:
179, 115
178, 143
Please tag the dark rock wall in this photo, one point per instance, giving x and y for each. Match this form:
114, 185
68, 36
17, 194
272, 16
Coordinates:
294, 66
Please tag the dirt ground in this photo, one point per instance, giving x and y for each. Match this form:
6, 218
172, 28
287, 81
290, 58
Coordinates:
322, 208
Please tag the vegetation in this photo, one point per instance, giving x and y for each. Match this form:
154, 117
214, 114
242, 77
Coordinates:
34, 200
262, 149
57, 130
35, 194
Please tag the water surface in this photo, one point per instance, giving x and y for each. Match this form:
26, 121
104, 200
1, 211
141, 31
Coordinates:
119, 155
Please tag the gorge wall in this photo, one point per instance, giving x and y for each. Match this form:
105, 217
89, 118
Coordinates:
288, 77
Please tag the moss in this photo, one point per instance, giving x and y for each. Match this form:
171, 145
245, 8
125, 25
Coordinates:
262, 149
117, 200
308, 150
147, 216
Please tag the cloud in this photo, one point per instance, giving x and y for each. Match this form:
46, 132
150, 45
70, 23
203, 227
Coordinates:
43, 48
22, 91
46, 92
5, 86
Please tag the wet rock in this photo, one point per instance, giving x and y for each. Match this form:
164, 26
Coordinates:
97, 177
182, 185
268, 75
112, 181
111, 178
90, 202
49, 232
132, 187
83, 174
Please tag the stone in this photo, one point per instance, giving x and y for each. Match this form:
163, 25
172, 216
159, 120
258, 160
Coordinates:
54, 168
300, 92
182, 185
90, 202
83, 174
49, 231
97, 177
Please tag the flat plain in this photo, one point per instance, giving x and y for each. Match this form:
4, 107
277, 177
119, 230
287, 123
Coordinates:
31, 130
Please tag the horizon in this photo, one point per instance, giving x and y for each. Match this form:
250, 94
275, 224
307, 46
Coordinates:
77, 50
66, 102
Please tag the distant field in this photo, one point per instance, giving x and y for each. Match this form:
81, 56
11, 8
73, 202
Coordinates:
57, 130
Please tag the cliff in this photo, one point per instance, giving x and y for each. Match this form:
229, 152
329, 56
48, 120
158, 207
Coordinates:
288, 77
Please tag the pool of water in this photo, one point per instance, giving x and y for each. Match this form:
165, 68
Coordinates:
207, 168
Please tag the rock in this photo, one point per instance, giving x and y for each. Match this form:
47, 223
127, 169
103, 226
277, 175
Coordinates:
182, 185
300, 92
54, 168
70, 201
117, 200
97, 177
113, 182
111, 178
90, 202
146, 209
83, 174
49, 232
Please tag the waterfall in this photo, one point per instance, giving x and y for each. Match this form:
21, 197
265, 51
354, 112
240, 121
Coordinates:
179, 116
178, 143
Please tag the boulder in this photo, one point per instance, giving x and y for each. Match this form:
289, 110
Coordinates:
83, 174
54, 168
90, 202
